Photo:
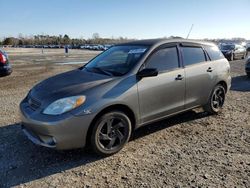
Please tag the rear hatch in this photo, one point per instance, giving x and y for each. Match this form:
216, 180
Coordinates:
5, 66
4, 60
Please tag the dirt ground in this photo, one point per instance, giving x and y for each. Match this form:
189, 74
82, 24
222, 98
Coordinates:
189, 150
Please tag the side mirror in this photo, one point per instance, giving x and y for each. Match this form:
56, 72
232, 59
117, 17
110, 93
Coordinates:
148, 72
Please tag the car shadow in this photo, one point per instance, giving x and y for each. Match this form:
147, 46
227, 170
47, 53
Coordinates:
21, 161
240, 83
167, 123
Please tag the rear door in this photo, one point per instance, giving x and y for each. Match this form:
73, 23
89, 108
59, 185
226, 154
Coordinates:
199, 73
164, 94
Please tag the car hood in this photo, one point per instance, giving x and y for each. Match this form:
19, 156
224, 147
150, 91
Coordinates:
70, 83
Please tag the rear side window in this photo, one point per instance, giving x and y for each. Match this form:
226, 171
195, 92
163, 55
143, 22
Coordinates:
193, 55
164, 59
214, 53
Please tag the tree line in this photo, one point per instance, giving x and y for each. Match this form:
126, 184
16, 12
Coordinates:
96, 39
59, 40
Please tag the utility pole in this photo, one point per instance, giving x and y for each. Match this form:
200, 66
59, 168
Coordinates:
190, 30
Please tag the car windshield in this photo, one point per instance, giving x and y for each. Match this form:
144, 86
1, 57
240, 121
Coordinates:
227, 47
117, 61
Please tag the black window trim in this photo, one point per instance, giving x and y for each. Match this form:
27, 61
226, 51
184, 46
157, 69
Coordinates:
208, 58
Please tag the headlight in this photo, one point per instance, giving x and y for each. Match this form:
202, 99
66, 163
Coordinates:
61, 106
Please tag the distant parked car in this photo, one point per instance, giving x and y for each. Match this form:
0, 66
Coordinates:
95, 47
82, 46
5, 67
248, 46
247, 67
233, 51
122, 89
107, 46
101, 47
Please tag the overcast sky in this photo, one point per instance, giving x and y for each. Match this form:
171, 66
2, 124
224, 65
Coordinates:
127, 18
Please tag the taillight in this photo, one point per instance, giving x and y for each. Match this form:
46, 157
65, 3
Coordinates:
2, 58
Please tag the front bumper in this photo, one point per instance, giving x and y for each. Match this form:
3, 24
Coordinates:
50, 143
59, 132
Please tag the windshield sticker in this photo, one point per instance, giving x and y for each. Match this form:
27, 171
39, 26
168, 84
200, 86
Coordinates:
137, 51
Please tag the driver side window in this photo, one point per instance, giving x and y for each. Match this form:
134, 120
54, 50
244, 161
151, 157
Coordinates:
164, 59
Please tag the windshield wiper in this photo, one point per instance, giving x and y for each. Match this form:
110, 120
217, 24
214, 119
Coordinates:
99, 70
114, 73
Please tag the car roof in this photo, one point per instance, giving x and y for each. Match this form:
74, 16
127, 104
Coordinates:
157, 42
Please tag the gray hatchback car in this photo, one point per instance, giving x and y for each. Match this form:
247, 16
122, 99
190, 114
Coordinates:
122, 89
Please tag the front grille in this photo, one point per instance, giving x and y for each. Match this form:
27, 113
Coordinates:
33, 103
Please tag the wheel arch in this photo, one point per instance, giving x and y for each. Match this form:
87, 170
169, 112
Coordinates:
224, 84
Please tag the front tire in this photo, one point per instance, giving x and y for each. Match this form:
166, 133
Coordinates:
110, 133
248, 74
216, 100
244, 56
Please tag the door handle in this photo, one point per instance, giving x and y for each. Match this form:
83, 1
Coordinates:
179, 77
209, 69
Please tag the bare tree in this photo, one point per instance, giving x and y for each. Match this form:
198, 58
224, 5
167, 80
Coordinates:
95, 36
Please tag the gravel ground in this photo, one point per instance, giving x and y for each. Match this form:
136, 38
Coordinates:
189, 150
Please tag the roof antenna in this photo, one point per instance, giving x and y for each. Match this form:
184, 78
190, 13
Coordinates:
190, 30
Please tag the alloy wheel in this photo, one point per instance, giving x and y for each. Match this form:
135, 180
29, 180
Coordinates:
218, 98
112, 133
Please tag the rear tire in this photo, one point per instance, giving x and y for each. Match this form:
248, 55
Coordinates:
216, 100
231, 57
110, 133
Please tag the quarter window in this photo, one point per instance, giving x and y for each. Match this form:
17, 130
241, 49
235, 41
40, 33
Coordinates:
214, 53
164, 59
193, 55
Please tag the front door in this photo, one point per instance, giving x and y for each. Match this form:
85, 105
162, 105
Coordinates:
164, 94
